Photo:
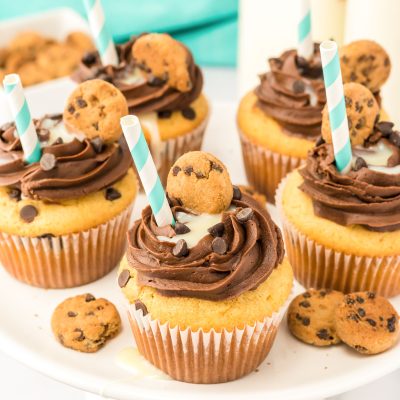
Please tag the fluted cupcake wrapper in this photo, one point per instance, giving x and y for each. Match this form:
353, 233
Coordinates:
204, 357
317, 266
266, 168
68, 260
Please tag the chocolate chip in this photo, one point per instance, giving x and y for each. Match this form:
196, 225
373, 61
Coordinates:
395, 138
322, 293
216, 167
176, 170
306, 295
371, 295
237, 194
112, 194
71, 109
305, 304
81, 103
244, 215
345, 60
217, 230
391, 324
180, 249
164, 114
89, 58
97, 144
320, 141
58, 141
353, 317
350, 301
72, 314
348, 101
181, 229
155, 81
360, 163
189, 113
360, 299
323, 334
361, 312
305, 321
386, 63
28, 213
219, 245
353, 77
301, 62
81, 336
89, 298
360, 123
123, 278
371, 321
141, 306
298, 87
385, 127
48, 162
15, 194
199, 175
370, 103
188, 170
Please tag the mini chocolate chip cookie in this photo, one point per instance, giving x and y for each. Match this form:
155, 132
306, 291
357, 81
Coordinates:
94, 109
311, 317
366, 322
84, 323
362, 112
365, 62
165, 58
200, 182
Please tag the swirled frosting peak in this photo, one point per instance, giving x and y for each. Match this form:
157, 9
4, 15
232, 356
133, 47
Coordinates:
253, 248
293, 93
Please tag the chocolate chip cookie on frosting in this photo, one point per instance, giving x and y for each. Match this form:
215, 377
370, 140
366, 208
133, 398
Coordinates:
64, 219
219, 270
163, 87
343, 230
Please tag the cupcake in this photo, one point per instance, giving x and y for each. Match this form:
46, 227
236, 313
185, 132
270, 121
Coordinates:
280, 120
207, 296
65, 218
163, 87
342, 231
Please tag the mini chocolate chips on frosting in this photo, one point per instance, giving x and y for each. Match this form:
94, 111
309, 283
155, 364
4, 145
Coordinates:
246, 254
149, 94
66, 170
293, 93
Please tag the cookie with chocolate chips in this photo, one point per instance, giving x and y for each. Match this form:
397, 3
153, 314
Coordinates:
84, 323
362, 112
366, 322
164, 58
311, 317
365, 62
201, 182
94, 109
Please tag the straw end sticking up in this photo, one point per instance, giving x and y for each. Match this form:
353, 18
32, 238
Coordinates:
305, 41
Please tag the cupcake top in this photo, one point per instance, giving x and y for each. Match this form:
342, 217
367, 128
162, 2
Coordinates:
369, 194
77, 159
217, 249
156, 73
293, 93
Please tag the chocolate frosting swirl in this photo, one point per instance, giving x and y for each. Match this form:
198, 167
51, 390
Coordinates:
80, 168
255, 248
152, 94
284, 93
365, 197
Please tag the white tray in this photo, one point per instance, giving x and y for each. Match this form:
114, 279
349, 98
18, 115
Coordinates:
292, 370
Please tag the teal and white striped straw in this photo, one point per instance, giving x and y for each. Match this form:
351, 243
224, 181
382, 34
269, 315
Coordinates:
305, 42
336, 105
104, 42
147, 170
22, 117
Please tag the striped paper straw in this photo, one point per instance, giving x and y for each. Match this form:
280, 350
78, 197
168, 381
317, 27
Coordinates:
336, 105
22, 117
104, 42
147, 170
306, 45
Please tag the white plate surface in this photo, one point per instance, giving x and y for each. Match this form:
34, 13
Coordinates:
292, 370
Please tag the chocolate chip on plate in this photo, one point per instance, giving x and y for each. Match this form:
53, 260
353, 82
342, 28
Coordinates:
244, 215
180, 228
48, 162
28, 213
237, 194
123, 278
15, 194
360, 163
112, 194
139, 305
180, 249
97, 144
189, 113
217, 230
219, 245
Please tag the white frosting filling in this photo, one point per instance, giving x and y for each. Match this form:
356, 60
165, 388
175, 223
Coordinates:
131, 77
311, 93
57, 130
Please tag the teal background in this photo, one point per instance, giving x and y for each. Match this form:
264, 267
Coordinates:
208, 27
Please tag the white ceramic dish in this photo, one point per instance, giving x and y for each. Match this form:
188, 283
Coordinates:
292, 370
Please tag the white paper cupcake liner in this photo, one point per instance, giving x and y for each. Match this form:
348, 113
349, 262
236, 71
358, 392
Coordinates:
266, 168
68, 260
317, 266
204, 357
